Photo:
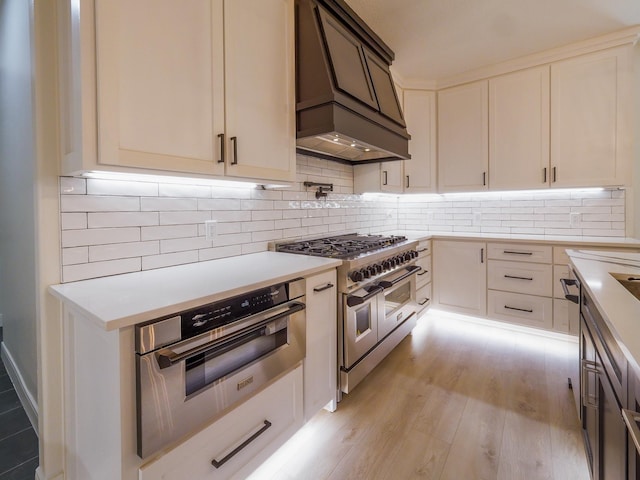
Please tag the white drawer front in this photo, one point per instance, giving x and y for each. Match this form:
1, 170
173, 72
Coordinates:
280, 404
520, 252
523, 309
529, 278
424, 248
559, 271
423, 296
423, 276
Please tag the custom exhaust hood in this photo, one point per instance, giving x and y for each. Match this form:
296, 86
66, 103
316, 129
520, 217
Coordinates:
347, 108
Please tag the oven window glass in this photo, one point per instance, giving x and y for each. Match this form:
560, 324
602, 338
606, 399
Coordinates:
363, 320
207, 368
397, 298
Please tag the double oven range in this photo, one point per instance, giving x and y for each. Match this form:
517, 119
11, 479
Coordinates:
377, 289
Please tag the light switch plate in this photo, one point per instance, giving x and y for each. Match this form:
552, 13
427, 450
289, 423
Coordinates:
210, 229
574, 219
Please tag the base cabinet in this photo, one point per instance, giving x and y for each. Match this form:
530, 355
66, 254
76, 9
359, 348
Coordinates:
237, 443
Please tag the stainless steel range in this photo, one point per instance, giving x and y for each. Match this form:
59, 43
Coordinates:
377, 305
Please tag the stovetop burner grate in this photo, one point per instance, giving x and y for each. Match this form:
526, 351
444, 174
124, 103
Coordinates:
341, 246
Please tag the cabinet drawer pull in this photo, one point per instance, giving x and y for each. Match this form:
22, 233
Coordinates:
511, 252
420, 250
565, 282
322, 289
424, 272
234, 140
423, 302
236, 450
518, 309
588, 366
221, 137
518, 278
631, 419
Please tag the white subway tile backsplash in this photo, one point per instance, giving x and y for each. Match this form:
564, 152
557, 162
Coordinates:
99, 236
110, 227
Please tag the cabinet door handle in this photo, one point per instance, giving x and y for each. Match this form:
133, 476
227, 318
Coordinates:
407, 181
221, 137
544, 175
322, 289
631, 419
518, 278
482, 255
234, 140
588, 366
526, 310
484, 179
236, 450
554, 174
384, 174
565, 282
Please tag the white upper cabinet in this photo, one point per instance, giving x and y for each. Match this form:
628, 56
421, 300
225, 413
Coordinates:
195, 87
420, 116
519, 130
463, 138
590, 106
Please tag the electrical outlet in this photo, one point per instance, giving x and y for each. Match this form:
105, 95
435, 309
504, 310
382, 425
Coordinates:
210, 229
477, 218
574, 219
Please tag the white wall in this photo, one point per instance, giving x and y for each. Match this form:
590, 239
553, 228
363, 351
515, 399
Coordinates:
17, 197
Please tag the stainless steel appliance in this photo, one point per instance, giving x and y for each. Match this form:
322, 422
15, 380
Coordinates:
196, 364
377, 288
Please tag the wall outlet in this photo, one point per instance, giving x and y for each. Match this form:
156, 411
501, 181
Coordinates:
574, 219
210, 229
477, 218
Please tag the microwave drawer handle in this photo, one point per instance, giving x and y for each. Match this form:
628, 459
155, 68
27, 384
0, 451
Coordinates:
410, 271
167, 357
353, 300
565, 282
236, 450
632, 418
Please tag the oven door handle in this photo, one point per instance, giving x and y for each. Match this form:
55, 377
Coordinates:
565, 283
168, 357
411, 269
372, 291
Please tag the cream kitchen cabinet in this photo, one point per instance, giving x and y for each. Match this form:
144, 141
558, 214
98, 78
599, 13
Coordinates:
320, 363
423, 277
590, 109
417, 175
460, 277
202, 88
463, 138
519, 130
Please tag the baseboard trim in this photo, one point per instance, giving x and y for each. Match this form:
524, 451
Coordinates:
27, 400
41, 476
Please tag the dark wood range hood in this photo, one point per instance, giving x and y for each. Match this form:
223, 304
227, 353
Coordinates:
347, 108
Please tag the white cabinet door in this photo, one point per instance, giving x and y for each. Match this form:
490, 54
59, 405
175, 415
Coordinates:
320, 363
590, 138
519, 130
259, 86
420, 116
463, 138
460, 277
391, 177
160, 84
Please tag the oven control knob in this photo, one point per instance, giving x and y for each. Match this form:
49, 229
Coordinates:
414, 254
366, 273
378, 268
386, 265
356, 276
408, 257
395, 262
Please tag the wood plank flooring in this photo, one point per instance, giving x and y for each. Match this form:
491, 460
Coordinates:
454, 401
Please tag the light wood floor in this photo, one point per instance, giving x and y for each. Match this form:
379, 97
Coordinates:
456, 401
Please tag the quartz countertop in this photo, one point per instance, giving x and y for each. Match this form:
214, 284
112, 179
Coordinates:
619, 308
124, 300
613, 242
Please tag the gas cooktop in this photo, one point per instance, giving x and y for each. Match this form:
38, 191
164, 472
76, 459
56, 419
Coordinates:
341, 246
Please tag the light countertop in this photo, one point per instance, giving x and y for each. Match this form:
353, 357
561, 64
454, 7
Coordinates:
123, 300
619, 308
614, 242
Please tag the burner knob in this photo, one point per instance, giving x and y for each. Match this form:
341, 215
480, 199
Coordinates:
414, 254
386, 264
365, 272
395, 262
356, 276
408, 257
378, 268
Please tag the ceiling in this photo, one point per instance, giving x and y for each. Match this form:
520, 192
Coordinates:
437, 39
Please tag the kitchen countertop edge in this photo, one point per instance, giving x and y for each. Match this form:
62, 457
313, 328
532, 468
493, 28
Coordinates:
119, 301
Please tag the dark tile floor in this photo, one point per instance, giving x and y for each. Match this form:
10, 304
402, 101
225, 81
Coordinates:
18, 440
